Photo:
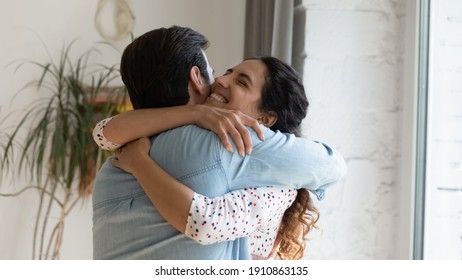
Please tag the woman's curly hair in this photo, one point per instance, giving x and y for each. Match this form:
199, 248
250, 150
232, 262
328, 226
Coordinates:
298, 220
284, 94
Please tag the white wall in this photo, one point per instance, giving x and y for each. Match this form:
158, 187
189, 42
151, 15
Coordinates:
354, 80
57, 22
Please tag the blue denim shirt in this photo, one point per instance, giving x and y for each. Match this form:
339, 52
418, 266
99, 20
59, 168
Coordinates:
127, 226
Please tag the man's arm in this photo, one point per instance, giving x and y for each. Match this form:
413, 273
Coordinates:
285, 160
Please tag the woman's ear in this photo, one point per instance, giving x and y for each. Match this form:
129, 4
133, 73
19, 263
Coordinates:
268, 119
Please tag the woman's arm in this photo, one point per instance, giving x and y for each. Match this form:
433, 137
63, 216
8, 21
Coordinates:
135, 124
254, 212
171, 198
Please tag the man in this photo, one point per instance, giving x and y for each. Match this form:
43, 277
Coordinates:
126, 225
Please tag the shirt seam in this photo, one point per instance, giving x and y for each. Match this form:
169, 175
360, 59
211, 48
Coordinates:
118, 199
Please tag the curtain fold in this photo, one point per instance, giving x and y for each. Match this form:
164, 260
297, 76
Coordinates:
281, 45
276, 28
258, 27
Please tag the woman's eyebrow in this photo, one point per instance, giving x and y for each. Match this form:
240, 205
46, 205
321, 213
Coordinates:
241, 74
246, 76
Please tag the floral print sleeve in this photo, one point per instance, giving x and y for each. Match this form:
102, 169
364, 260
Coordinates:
252, 212
98, 136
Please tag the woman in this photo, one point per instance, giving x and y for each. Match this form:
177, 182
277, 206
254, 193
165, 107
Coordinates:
241, 88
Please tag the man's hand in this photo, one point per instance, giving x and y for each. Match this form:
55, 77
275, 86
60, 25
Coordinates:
130, 156
232, 122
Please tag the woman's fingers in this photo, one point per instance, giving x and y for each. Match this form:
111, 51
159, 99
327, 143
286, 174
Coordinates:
230, 124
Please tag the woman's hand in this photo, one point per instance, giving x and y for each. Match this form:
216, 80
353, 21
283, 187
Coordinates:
232, 122
132, 155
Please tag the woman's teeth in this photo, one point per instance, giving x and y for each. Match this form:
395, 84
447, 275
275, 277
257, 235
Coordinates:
218, 98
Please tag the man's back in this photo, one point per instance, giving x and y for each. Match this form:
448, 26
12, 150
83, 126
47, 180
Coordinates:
127, 226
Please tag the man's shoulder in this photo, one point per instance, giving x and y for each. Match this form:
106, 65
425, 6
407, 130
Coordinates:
188, 133
271, 137
201, 136
190, 128
186, 141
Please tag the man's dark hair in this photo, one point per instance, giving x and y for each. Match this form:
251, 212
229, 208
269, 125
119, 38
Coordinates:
155, 66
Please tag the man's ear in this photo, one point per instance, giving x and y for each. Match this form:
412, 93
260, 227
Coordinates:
196, 79
268, 119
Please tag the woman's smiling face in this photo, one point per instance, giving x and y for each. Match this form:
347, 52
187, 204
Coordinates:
240, 88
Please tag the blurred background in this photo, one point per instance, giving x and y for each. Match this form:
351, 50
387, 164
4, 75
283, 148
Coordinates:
384, 80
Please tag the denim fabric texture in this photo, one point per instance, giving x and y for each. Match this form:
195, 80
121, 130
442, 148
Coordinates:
127, 226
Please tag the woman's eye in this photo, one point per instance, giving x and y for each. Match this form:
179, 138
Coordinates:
241, 83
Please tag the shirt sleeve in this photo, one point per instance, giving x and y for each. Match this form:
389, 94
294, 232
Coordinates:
285, 160
252, 212
98, 136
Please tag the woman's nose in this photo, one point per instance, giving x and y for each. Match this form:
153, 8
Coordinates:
222, 81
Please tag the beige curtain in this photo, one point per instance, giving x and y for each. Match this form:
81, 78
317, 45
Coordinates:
276, 28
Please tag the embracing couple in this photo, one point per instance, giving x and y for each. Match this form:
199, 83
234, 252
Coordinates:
224, 173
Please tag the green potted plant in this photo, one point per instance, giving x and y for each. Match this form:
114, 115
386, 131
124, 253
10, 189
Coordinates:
52, 140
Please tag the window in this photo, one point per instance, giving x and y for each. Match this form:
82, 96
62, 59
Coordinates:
438, 220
